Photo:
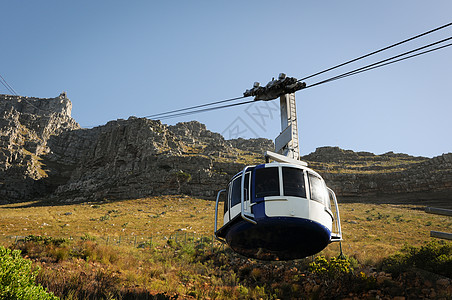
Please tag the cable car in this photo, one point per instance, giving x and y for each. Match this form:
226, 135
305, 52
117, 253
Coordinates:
278, 211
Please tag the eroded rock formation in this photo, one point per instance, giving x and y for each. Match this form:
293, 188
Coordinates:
26, 124
44, 153
364, 174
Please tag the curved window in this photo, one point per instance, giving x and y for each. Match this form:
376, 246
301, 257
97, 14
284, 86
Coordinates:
293, 182
266, 182
319, 192
225, 207
236, 193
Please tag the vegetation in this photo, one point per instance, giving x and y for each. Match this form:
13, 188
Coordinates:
181, 177
85, 269
359, 163
150, 249
17, 278
434, 256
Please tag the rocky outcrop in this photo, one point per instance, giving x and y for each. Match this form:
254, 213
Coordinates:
364, 174
26, 124
139, 157
44, 153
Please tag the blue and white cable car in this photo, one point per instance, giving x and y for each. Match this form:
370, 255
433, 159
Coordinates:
280, 210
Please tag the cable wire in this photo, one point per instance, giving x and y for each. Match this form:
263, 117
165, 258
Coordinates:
385, 62
369, 67
193, 107
377, 51
388, 63
7, 86
204, 110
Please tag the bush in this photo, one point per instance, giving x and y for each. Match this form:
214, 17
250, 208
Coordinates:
46, 240
17, 278
434, 256
334, 268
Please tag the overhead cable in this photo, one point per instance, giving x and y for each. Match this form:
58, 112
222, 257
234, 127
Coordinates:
7, 86
204, 110
385, 62
193, 107
397, 58
361, 70
377, 51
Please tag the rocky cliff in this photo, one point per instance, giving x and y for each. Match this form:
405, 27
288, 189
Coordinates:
26, 124
390, 175
44, 153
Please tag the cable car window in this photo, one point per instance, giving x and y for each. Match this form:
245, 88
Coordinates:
293, 182
318, 189
267, 182
236, 193
247, 186
226, 204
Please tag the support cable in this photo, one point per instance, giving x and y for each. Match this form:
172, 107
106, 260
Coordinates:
203, 110
7, 86
194, 109
162, 115
385, 62
377, 51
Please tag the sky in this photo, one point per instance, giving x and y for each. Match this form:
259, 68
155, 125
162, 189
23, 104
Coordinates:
116, 59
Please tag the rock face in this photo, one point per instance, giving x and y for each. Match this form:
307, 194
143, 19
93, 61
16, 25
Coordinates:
139, 157
358, 174
25, 126
45, 153
136, 158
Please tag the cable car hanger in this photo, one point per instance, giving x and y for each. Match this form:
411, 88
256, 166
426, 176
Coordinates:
279, 210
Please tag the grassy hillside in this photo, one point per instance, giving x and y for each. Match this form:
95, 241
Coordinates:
370, 230
78, 246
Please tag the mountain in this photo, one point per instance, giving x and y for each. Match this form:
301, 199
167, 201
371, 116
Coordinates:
45, 154
389, 177
26, 124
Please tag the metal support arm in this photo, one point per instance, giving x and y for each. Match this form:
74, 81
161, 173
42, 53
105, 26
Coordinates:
216, 215
336, 236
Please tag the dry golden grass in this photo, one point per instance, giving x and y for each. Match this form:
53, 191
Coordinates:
374, 231
141, 218
370, 231
93, 268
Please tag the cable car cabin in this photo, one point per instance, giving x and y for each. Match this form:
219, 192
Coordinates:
278, 211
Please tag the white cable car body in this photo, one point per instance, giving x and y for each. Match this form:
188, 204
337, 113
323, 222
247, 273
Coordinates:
279, 210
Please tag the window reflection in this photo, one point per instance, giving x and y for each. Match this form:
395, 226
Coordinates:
318, 189
293, 182
267, 182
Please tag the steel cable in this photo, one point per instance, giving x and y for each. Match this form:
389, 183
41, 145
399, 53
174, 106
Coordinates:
377, 51
385, 62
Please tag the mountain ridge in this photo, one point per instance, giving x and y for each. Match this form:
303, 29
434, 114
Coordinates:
45, 154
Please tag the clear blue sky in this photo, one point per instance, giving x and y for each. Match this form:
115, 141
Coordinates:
117, 59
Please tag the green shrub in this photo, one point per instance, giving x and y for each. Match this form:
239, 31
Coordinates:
46, 240
334, 268
182, 176
434, 256
17, 278
88, 237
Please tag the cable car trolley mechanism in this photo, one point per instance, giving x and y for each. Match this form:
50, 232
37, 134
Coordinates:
279, 210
